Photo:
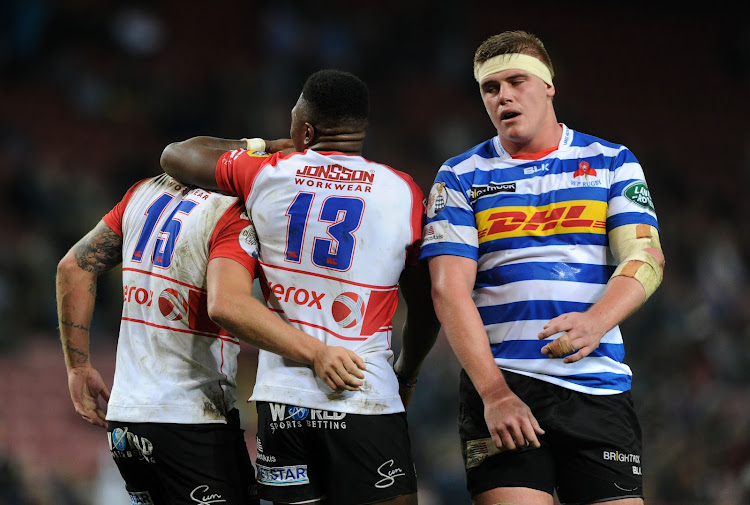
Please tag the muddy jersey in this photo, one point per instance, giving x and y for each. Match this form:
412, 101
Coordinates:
173, 363
335, 233
538, 231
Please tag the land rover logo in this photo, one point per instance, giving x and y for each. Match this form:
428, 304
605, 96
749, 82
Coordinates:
639, 194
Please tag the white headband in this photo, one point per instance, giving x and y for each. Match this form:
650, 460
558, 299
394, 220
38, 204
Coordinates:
513, 60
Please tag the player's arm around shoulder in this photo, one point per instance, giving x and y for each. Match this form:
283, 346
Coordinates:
193, 161
232, 306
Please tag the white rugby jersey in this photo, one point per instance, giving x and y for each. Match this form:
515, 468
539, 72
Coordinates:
538, 231
174, 365
335, 233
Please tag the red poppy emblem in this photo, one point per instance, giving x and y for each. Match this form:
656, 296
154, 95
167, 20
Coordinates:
584, 169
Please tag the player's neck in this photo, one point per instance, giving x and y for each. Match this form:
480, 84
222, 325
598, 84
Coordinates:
341, 147
343, 142
544, 141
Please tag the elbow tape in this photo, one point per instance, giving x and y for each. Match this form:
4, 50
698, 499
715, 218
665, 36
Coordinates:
629, 244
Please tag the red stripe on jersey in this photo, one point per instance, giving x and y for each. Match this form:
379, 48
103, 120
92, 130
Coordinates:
137, 270
386, 328
380, 309
305, 323
179, 330
198, 318
343, 281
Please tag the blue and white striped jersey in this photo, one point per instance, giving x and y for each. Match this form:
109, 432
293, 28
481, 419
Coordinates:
538, 231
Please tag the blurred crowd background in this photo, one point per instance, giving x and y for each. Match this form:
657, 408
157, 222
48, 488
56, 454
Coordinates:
92, 90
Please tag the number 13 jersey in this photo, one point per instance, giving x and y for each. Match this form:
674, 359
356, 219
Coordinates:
335, 233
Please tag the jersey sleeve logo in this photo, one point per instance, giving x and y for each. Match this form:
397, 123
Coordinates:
249, 241
639, 194
437, 200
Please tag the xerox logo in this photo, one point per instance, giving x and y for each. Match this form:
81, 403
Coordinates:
348, 309
300, 296
134, 294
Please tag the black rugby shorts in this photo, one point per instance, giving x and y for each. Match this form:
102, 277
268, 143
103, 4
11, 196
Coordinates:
306, 454
591, 449
184, 464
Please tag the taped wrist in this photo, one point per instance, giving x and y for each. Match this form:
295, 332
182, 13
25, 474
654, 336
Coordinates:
629, 244
255, 144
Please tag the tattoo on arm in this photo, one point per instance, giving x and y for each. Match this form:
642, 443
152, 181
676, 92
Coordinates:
99, 251
74, 325
76, 355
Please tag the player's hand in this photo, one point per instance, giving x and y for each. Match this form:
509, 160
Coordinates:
274, 146
582, 335
339, 367
406, 383
86, 386
405, 392
511, 423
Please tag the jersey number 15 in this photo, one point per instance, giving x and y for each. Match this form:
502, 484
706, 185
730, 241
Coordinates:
167, 236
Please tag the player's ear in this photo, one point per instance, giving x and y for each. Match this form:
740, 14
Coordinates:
550, 91
310, 134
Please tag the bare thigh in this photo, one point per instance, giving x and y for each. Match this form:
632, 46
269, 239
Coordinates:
513, 496
407, 499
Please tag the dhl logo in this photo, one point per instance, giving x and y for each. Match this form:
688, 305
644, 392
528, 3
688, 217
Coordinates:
583, 216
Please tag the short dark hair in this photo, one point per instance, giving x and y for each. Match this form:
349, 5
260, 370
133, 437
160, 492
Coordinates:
336, 98
517, 41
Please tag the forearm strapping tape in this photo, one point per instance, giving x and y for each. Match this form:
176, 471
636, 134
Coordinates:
629, 244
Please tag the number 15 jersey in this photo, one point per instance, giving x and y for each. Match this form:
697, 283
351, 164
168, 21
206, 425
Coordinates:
335, 233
